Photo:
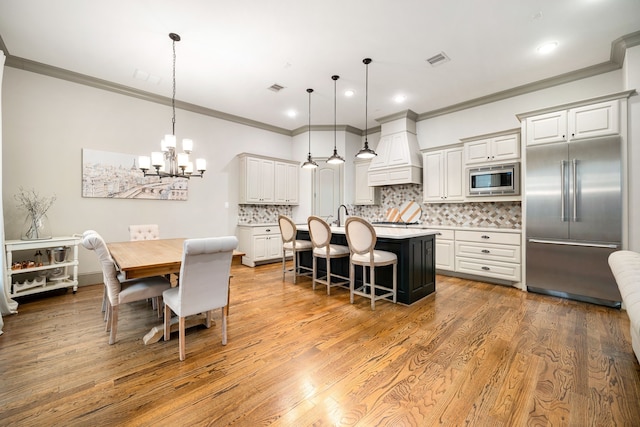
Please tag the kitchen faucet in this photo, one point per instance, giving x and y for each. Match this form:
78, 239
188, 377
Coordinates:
346, 213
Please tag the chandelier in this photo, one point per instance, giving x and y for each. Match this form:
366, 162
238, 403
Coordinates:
168, 162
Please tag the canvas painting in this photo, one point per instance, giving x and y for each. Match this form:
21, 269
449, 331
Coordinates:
117, 176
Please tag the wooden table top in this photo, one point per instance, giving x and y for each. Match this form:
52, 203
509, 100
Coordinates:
144, 258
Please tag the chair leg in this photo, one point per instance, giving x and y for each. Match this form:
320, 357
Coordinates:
207, 319
114, 324
107, 318
295, 266
158, 301
225, 312
315, 272
167, 322
352, 280
372, 271
181, 338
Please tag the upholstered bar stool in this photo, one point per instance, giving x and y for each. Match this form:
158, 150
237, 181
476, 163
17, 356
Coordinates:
288, 232
320, 233
361, 237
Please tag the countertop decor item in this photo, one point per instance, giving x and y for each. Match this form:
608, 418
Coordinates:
36, 224
168, 163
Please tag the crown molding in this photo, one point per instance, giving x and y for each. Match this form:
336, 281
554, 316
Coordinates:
618, 51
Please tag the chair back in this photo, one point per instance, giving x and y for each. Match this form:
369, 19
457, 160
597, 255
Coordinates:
94, 242
204, 274
361, 236
144, 232
319, 231
288, 228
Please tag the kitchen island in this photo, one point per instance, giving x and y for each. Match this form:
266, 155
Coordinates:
415, 249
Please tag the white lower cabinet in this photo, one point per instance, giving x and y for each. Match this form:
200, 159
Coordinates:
445, 250
490, 254
260, 243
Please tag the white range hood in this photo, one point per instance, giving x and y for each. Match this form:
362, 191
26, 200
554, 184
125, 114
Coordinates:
399, 160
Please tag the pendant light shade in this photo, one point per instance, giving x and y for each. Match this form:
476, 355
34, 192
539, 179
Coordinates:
335, 159
309, 164
366, 152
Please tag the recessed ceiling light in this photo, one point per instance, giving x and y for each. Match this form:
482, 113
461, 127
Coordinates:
547, 47
292, 113
349, 93
399, 98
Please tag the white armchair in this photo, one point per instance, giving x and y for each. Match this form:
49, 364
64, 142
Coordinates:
117, 292
204, 284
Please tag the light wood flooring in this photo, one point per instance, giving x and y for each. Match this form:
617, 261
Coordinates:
471, 354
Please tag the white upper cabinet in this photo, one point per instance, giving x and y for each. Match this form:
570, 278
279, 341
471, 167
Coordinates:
493, 149
364, 195
586, 121
443, 175
286, 183
265, 180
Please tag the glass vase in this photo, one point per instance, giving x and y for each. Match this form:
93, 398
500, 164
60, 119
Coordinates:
36, 228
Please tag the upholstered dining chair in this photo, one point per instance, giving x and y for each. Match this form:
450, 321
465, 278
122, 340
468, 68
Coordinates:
361, 237
320, 233
121, 292
291, 245
204, 284
144, 232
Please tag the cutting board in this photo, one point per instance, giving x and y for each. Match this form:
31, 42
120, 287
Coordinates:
410, 212
393, 215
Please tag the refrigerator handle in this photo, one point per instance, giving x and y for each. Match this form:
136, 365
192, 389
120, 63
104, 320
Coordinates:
566, 243
563, 216
574, 198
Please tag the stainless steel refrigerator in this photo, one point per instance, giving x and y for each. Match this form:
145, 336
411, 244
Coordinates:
574, 219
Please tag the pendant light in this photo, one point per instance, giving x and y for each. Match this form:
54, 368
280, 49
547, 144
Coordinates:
335, 159
309, 164
366, 152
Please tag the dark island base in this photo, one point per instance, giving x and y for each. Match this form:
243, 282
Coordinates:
416, 265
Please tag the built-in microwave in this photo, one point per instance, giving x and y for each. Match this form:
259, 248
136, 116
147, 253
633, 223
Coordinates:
494, 180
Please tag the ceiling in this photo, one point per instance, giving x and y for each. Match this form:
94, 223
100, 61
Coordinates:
232, 51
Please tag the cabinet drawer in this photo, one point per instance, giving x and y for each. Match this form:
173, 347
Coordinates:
268, 230
488, 237
445, 234
497, 269
487, 251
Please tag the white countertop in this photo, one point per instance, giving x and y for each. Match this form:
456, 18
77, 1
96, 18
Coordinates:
389, 227
385, 232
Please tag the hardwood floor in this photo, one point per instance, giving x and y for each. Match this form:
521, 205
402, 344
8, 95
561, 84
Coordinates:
472, 354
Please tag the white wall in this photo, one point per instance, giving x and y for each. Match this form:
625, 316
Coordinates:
47, 123
501, 115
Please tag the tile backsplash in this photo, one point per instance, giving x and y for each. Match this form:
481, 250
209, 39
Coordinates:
468, 214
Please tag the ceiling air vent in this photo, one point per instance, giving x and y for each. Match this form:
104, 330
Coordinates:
438, 59
276, 87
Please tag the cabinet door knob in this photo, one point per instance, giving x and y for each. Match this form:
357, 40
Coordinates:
268, 230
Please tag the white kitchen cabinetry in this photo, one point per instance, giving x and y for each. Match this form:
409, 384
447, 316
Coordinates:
265, 180
443, 175
364, 195
490, 149
32, 278
286, 183
490, 254
581, 122
260, 243
445, 250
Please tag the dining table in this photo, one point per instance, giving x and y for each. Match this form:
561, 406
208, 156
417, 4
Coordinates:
160, 257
